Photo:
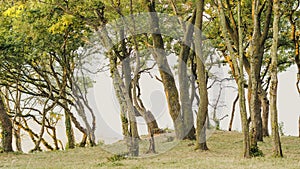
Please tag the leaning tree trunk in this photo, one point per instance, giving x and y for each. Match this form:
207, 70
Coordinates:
232, 112
185, 100
68, 126
69, 131
201, 77
166, 74
7, 128
274, 83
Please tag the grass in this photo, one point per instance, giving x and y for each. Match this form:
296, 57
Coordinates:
225, 152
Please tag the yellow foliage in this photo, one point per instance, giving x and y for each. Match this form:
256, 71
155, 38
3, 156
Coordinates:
64, 22
14, 11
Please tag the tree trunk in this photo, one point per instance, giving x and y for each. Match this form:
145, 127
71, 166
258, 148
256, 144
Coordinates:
265, 113
83, 140
133, 145
232, 112
241, 87
122, 94
254, 101
256, 56
186, 104
17, 133
201, 79
238, 73
168, 80
69, 131
7, 128
274, 83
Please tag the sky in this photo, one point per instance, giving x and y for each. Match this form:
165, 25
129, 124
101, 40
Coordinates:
108, 117
106, 107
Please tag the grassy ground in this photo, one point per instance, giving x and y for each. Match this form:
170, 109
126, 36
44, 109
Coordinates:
225, 152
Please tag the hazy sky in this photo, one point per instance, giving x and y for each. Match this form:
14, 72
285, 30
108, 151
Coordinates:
107, 106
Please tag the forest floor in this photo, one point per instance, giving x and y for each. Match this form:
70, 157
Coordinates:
225, 152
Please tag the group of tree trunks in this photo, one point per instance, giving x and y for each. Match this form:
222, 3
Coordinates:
234, 25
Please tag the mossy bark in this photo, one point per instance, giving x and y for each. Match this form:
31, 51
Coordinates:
69, 131
277, 151
167, 77
201, 79
238, 67
7, 128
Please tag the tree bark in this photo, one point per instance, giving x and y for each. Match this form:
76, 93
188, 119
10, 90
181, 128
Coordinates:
274, 83
17, 133
69, 131
7, 128
186, 104
238, 73
256, 56
201, 79
168, 80
265, 113
232, 112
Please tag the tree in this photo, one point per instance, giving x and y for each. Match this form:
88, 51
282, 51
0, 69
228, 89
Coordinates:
238, 67
6, 125
43, 62
201, 79
274, 82
168, 80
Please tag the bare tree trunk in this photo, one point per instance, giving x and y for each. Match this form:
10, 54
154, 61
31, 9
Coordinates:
7, 128
186, 104
147, 115
69, 131
120, 87
168, 80
274, 83
232, 112
238, 72
33, 135
265, 112
81, 103
17, 133
83, 140
243, 111
257, 50
76, 124
201, 77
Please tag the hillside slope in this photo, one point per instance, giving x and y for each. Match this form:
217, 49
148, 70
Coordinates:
225, 152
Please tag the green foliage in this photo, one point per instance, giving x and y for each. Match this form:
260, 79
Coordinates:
256, 152
117, 157
124, 119
281, 128
100, 143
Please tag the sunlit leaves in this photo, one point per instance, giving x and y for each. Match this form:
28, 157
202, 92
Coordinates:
64, 22
14, 11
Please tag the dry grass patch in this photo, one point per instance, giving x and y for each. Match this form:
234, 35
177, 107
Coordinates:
225, 152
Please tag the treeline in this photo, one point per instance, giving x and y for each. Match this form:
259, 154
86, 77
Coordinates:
45, 46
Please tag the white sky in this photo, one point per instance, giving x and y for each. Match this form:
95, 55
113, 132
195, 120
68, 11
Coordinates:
109, 124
